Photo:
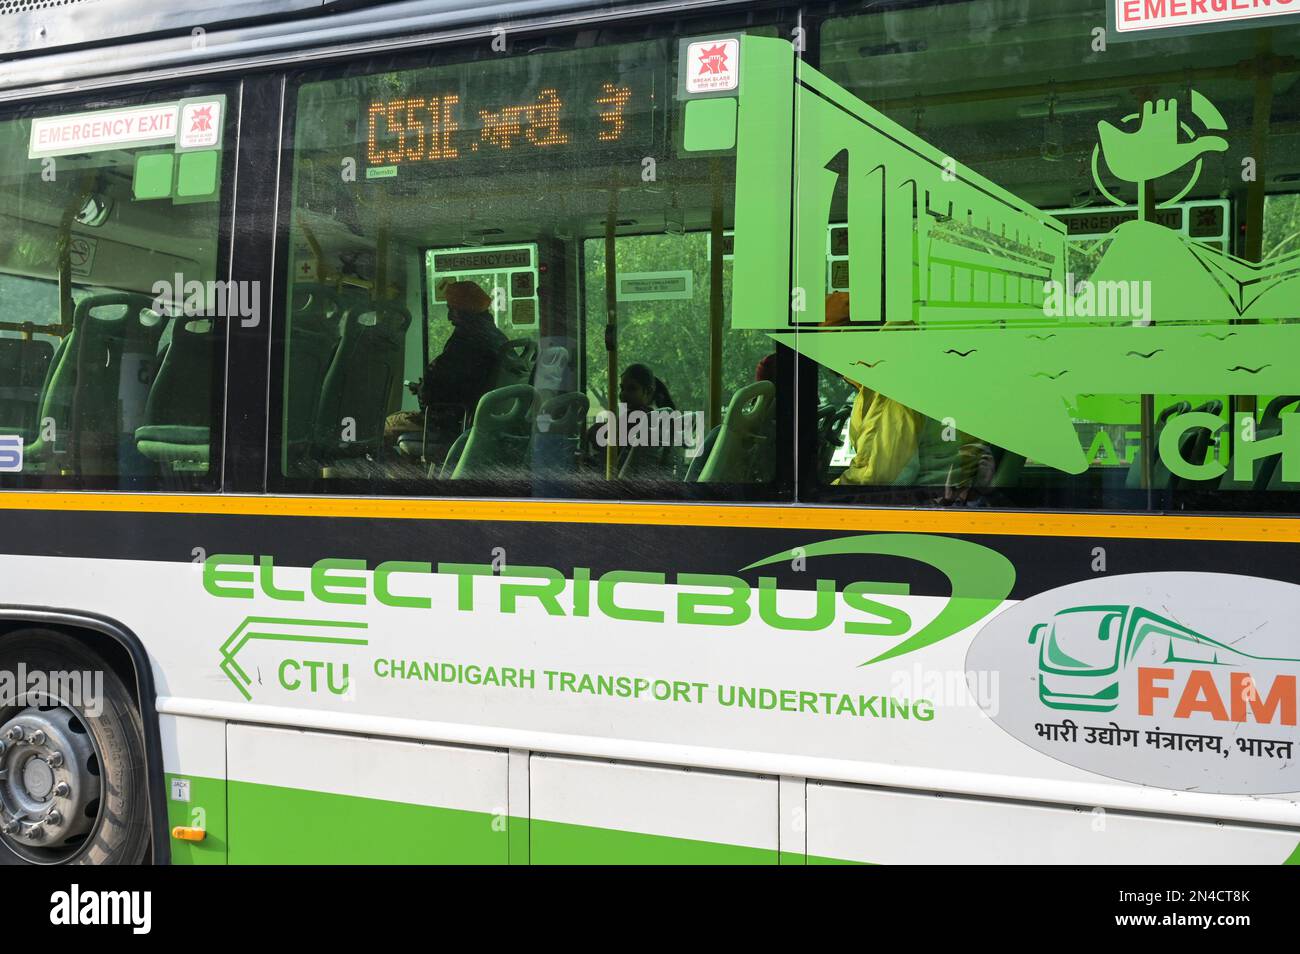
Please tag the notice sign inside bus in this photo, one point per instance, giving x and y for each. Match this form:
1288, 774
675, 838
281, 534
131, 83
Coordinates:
656, 286
1140, 16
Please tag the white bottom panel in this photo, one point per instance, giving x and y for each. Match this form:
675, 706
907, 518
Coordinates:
414, 773
852, 823
581, 803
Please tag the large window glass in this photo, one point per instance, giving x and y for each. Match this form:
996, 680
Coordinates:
509, 273
111, 306
1047, 266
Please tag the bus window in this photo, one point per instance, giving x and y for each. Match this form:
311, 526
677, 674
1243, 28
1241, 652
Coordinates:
110, 310
664, 286
511, 275
1056, 274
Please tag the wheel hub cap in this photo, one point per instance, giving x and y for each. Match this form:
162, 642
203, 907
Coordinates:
48, 779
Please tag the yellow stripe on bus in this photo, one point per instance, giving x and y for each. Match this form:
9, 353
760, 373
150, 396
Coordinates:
777, 516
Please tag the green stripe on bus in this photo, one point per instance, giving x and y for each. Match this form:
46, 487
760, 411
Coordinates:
271, 824
519, 853
275, 825
205, 809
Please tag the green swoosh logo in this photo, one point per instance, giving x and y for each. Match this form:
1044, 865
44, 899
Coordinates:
980, 578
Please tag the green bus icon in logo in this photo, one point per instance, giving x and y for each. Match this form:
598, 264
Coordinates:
1083, 650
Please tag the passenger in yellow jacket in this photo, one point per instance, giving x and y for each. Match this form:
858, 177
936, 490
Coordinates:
885, 436
895, 445
883, 433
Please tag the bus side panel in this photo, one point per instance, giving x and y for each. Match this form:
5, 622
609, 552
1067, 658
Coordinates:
849, 823
597, 812
316, 798
194, 761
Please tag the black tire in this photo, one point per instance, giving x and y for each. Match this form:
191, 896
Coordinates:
121, 831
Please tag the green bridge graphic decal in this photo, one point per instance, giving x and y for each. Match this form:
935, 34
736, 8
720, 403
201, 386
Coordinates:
951, 276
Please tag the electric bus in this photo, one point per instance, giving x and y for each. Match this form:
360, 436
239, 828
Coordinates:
650, 431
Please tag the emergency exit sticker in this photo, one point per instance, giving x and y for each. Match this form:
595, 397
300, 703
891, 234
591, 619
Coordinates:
1132, 16
190, 124
104, 129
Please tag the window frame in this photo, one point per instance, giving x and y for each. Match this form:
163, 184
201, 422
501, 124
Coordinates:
163, 88
781, 490
1190, 500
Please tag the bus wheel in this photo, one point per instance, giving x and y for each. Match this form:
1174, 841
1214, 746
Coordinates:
73, 788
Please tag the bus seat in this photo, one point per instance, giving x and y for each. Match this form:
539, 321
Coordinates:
1272, 417
178, 414
363, 382
56, 395
559, 425
24, 365
318, 303
1159, 472
497, 442
699, 460
1269, 425
1195, 445
448, 467
744, 440
1268, 470
1010, 468
516, 362
99, 381
655, 463
313, 336
831, 419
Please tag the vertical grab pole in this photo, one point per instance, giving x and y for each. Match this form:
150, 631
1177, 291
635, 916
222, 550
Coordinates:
611, 329
85, 188
715, 297
65, 280
1147, 212
380, 291
65, 328
1261, 120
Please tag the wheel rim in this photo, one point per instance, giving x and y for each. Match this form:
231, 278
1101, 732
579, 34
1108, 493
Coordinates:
50, 784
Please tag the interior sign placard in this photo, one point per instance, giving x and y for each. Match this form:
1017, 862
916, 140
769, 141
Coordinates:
656, 286
1182, 16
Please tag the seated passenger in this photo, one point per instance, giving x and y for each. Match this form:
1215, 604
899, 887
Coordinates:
457, 378
466, 368
894, 445
644, 441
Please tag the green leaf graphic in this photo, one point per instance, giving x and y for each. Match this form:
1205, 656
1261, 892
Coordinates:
981, 578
